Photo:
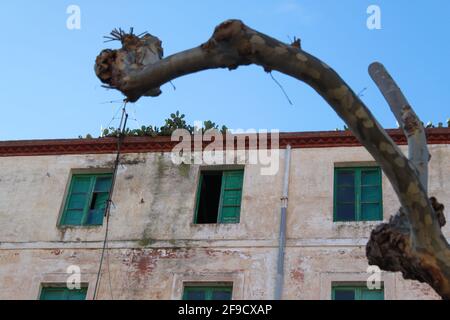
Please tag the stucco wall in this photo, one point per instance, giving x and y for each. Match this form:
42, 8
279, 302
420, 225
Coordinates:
155, 246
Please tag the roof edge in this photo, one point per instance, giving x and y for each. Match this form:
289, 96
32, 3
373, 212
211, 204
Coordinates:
314, 139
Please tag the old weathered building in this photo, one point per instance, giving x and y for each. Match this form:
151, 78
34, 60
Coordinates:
163, 242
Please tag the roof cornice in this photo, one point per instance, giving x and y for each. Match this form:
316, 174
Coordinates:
320, 139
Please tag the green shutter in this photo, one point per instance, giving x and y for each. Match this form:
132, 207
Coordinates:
82, 207
62, 293
345, 195
207, 292
78, 200
359, 292
343, 294
367, 294
371, 196
223, 293
101, 189
194, 293
231, 196
53, 294
358, 194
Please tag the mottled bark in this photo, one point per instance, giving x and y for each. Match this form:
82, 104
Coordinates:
407, 119
390, 245
233, 44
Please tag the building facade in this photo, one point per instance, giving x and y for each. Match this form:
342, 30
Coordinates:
197, 231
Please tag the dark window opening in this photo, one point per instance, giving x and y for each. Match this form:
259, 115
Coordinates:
94, 201
208, 207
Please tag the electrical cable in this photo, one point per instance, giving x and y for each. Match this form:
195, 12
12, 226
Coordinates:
120, 137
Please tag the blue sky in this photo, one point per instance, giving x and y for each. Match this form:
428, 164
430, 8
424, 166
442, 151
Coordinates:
48, 88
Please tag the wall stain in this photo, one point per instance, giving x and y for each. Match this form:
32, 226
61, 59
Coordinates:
142, 262
297, 275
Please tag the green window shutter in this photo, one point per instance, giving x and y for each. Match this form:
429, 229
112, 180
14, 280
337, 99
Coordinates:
208, 293
367, 294
231, 196
62, 293
77, 294
53, 294
345, 195
194, 293
371, 196
86, 200
357, 194
222, 293
343, 293
359, 292
78, 200
99, 200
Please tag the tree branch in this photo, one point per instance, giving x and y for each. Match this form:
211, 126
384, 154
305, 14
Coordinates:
407, 119
234, 44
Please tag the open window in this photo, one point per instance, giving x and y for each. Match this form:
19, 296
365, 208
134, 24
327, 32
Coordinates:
86, 200
219, 197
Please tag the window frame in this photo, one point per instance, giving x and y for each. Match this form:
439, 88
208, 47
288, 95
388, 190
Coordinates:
62, 220
357, 170
219, 213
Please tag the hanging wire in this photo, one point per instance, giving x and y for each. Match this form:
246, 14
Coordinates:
114, 117
282, 89
108, 264
139, 124
120, 137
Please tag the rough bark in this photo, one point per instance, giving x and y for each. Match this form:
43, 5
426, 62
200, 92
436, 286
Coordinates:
424, 254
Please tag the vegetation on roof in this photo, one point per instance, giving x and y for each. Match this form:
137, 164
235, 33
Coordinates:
176, 121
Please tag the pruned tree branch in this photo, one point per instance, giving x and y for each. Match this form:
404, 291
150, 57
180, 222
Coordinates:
233, 44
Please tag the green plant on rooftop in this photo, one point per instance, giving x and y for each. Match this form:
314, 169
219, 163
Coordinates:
176, 121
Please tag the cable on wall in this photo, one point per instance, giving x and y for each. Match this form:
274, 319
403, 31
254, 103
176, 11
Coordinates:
120, 137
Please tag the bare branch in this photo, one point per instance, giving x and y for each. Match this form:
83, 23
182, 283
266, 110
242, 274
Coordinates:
407, 119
